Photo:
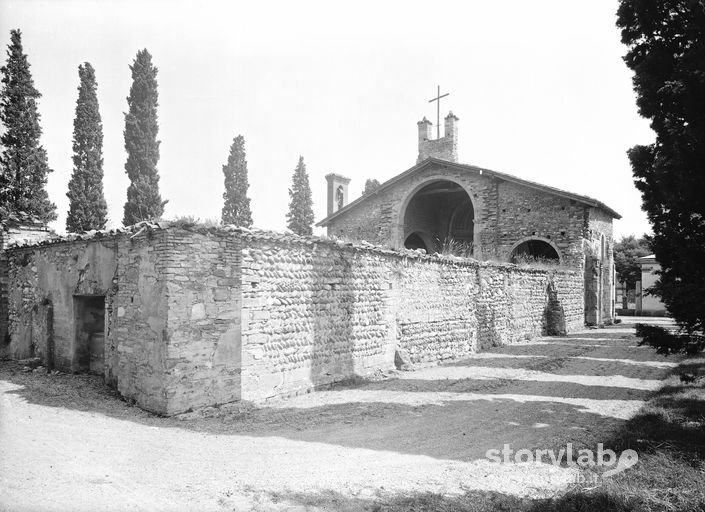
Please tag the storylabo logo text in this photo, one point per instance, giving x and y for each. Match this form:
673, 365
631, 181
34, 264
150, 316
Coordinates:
582, 458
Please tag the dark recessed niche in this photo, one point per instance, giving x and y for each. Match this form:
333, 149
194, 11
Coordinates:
562, 207
562, 233
549, 237
504, 210
528, 209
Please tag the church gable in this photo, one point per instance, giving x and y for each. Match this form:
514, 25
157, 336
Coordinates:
439, 202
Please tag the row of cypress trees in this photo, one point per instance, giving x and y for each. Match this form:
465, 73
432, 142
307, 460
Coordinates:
236, 203
24, 166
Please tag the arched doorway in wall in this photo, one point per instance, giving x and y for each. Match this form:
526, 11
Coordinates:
534, 250
441, 215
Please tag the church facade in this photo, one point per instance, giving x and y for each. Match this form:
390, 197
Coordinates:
441, 205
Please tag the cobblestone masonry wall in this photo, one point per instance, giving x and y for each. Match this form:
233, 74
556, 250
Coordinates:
312, 314
449, 309
316, 313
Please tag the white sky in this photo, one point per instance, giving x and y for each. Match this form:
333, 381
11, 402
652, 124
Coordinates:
540, 89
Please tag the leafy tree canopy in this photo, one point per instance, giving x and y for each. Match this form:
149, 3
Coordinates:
666, 51
626, 252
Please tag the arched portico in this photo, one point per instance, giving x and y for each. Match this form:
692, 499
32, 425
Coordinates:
438, 211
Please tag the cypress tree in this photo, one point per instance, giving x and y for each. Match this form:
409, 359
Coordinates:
23, 162
141, 127
236, 207
300, 216
87, 206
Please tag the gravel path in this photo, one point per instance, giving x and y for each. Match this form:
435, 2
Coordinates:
68, 443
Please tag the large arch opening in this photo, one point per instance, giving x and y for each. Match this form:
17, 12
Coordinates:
443, 212
534, 251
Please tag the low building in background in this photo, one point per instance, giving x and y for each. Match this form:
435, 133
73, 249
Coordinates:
647, 304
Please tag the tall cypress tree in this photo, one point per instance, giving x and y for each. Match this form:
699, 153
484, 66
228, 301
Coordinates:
87, 206
23, 162
236, 207
300, 216
141, 127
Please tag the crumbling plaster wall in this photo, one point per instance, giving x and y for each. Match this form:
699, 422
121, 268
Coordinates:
10, 233
43, 281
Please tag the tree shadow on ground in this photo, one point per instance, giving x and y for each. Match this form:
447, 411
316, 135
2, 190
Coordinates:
468, 428
668, 435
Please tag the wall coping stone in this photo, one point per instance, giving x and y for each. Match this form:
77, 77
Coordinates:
145, 227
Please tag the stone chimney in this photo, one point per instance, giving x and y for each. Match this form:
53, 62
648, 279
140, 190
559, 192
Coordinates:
425, 127
337, 192
445, 148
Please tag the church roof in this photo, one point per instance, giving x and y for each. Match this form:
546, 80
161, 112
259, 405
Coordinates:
474, 169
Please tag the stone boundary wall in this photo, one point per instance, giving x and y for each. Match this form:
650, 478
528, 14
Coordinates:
317, 312
198, 317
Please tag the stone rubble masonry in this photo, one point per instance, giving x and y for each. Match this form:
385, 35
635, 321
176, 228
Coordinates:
506, 214
446, 147
201, 317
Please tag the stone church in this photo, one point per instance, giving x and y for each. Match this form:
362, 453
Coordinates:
177, 316
440, 203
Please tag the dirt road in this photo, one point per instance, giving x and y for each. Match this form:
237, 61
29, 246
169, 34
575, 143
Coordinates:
68, 443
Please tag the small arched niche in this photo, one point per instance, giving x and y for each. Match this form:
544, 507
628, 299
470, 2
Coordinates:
416, 241
534, 251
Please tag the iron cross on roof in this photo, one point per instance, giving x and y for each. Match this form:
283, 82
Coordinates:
438, 110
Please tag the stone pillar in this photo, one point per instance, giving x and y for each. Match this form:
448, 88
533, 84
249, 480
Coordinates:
451, 134
425, 127
592, 290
